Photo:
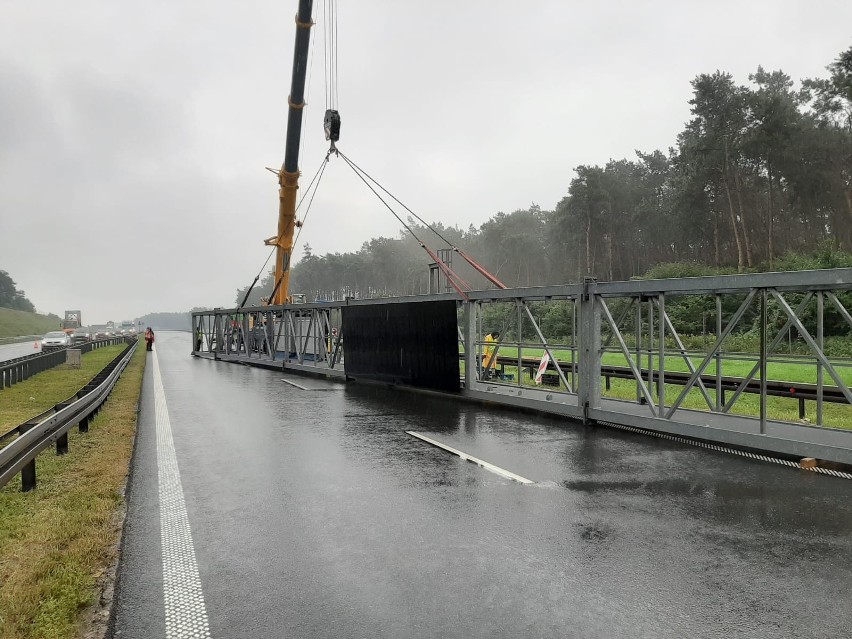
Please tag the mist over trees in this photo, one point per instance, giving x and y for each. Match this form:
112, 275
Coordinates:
11, 296
761, 173
169, 321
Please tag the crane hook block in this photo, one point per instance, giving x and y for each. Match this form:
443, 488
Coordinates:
331, 123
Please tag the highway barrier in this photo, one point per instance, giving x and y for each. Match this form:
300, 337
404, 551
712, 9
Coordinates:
51, 427
17, 370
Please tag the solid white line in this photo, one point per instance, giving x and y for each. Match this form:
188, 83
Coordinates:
494, 469
299, 386
186, 614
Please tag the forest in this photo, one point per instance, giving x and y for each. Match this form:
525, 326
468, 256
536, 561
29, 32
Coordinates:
760, 178
11, 296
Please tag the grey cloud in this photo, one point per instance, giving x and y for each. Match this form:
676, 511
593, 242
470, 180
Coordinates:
143, 130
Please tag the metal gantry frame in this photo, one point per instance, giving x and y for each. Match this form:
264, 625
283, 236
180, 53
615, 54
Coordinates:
292, 336
676, 390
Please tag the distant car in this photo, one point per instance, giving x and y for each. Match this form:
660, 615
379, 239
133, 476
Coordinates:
54, 340
81, 336
101, 334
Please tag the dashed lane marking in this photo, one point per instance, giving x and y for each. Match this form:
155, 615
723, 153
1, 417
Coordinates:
308, 388
186, 614
299, 386
494, 469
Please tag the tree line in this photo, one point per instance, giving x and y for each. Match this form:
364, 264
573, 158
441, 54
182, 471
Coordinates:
11, 296
761, 172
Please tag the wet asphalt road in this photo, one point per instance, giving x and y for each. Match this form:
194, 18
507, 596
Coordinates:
313, 514
11, 351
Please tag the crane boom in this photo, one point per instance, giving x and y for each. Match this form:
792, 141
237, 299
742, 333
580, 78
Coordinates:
288, 176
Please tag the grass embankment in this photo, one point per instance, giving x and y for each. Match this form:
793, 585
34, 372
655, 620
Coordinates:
57, 542
14, 323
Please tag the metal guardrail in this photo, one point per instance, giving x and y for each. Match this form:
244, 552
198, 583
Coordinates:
51, 427
20, 368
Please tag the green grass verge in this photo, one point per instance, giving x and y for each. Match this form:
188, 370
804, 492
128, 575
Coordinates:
736, 365
14, 323
57, 542
804, 373
778, 408
42, 391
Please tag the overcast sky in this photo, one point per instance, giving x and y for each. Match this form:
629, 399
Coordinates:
134, 136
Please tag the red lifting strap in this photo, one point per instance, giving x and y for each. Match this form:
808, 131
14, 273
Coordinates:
491, 278
450, 274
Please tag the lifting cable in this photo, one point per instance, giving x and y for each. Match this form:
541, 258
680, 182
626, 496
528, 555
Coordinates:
478, 267
330, 50
331, 120
317, 176
453, 278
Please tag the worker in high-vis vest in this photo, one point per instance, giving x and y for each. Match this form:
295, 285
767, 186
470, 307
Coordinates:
490, 340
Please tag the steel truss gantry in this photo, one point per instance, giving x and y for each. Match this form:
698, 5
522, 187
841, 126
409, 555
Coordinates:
671, 389
303, 336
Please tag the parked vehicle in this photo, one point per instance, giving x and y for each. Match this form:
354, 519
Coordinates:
54, 340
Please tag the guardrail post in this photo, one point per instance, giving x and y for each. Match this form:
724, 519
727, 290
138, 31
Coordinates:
589, 387
62, 440
469, 331
62, 444
28, 472
28, 477
84, 425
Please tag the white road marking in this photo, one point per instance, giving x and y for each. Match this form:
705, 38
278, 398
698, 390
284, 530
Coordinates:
494, 469
307, 388
186, 614
299, 386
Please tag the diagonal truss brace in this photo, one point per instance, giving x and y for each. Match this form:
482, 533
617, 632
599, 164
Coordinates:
814, 346
562, 377
840, 307
624, 314
683, 354
338, 347
709, 357
637, 374
769, 349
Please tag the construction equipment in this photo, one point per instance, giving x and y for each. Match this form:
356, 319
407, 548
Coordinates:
288, 176
73, 321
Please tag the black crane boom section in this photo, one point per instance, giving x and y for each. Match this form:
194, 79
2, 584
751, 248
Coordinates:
297, 86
